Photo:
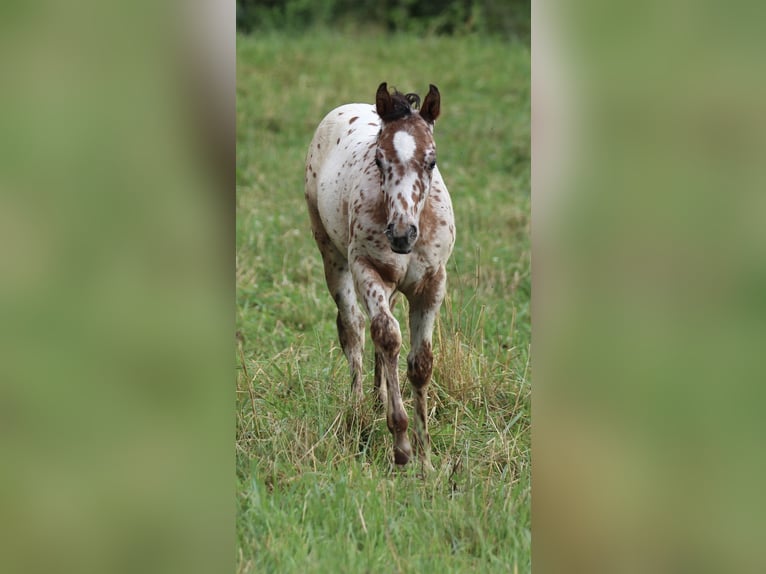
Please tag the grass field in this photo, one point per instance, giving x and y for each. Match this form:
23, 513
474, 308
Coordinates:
315, 487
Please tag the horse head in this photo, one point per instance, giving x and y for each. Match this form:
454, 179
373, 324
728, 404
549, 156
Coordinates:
406, 158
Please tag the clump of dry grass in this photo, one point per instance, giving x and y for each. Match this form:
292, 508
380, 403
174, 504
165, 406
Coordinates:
481, 395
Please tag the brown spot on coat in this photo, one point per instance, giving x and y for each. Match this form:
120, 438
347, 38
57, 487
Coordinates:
427, 222
388, 273
385, 334
377, 213
427, 289
420, 366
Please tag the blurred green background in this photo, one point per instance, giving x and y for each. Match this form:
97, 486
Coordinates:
116, 297
649, 287
510, 18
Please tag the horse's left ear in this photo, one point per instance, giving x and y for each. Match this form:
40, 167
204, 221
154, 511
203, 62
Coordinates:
431, 107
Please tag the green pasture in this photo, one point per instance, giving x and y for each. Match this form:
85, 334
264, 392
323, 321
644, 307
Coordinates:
315, 487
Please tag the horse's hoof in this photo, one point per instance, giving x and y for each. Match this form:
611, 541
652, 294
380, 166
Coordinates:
402, 448
401, 458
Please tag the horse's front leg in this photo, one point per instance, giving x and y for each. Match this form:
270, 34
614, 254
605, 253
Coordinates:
380, 382
424, 307
386, 335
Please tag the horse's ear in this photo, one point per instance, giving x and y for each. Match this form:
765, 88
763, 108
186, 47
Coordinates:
383, 103
431, 107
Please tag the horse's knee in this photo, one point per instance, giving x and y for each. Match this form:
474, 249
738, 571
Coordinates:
420, 365
385, 334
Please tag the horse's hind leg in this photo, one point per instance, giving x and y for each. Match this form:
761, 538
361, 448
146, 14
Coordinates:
350, 320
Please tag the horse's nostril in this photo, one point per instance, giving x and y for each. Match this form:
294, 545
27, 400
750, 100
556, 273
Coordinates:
390, 229
413, 232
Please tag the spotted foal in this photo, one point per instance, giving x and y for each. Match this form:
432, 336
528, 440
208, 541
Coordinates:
382, 219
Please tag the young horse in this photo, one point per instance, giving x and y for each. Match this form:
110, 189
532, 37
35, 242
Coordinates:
383, 221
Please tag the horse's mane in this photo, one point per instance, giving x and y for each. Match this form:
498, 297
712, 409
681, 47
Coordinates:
403, 105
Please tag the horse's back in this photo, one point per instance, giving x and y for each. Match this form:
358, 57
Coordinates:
343, 144
344, 126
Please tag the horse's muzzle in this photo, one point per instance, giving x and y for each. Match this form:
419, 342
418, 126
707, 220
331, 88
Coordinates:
401, 244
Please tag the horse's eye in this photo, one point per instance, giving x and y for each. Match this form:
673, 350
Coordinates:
378, 163
431, 165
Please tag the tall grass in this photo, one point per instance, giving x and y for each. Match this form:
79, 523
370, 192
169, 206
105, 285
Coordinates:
315, 487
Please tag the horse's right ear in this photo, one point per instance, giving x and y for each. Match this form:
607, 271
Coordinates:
383, 103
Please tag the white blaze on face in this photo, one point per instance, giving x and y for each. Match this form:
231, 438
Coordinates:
404, 144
